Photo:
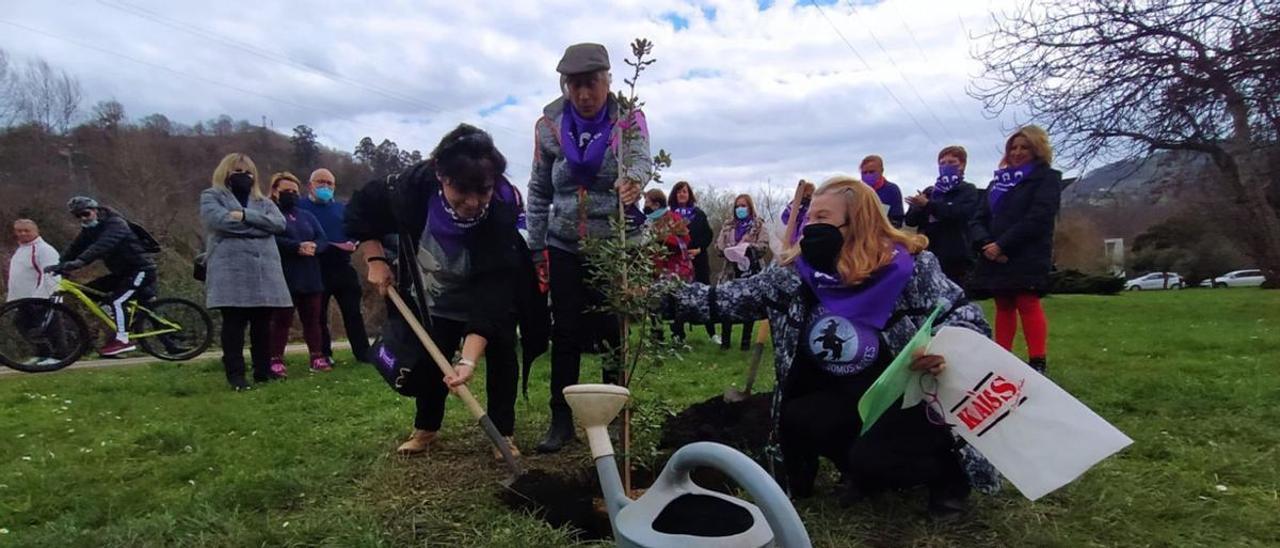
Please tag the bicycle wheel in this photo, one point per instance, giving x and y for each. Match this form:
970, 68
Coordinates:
195, 329
39, 335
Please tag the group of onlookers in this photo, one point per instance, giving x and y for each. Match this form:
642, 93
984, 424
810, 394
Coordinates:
270, 254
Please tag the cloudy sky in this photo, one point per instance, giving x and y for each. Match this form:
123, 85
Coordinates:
745, 93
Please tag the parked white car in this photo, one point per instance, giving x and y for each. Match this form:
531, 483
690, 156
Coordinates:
1239, 278
1155, 280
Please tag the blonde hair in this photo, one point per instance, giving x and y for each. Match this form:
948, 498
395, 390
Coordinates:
1039, 140
224, 168
283, 176
869, 238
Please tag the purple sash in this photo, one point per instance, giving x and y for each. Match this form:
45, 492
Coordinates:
584, 143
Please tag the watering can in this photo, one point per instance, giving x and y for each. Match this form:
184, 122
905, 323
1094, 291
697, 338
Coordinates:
668, 513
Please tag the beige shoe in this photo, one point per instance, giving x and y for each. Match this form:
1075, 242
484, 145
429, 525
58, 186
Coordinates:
418, 443
515, 451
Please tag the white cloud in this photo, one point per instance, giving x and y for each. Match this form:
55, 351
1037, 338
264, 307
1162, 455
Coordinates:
740, 98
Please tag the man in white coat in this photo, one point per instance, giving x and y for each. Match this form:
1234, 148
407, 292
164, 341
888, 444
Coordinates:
27, 279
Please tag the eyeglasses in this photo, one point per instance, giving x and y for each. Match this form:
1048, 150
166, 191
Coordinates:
933, 406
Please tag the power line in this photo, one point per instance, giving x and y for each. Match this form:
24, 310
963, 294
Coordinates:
904, 108
903, 75
925, 57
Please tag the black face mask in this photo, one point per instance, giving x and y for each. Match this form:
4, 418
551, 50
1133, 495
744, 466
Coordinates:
287, 200
240, 183
820, 246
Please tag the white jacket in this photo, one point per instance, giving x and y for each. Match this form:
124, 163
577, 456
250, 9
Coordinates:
26, 271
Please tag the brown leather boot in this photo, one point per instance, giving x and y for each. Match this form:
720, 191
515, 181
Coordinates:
515, 451
418, 442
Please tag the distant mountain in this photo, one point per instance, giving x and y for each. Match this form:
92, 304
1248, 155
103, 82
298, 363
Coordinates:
1159, 179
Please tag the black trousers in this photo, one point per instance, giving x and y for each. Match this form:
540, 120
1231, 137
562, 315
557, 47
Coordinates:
820, 419
702, 275
501, 374
575, 327
234, 322
341, 283
726, 332
43, 329
121, 288
957, 271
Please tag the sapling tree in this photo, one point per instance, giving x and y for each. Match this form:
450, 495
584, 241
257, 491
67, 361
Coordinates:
623, 269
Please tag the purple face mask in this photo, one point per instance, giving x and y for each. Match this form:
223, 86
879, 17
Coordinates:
948, 177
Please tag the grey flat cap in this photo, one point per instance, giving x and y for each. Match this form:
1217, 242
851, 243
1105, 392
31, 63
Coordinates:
583, 58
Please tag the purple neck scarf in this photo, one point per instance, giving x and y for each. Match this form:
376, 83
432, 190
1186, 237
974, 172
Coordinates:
584, 142
948, 177
445, 226
870, 302
1005, 180
741, 227
685, 213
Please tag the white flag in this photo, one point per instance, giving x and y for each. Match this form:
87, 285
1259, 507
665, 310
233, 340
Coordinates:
1032, 431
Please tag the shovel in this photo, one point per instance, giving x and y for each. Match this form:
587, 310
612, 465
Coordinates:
733, 395
462, 391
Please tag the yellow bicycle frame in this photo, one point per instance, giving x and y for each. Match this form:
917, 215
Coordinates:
86, 295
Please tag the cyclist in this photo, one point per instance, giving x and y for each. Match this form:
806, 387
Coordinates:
106, 235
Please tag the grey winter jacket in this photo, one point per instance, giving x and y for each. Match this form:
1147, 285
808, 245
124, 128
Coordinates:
243, 260
776, 294
553, 214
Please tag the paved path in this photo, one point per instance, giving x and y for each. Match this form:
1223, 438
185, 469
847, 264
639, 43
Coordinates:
212, 354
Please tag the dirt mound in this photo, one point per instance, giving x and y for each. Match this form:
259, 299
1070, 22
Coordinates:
742, 425
561, 499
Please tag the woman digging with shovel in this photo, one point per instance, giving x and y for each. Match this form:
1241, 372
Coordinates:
464, 267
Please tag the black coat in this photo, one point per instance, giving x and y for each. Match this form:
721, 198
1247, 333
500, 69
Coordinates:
1023, 228
948, 231
503, 287
700, 236
113, 241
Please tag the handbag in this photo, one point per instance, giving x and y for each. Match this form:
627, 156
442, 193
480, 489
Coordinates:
397, 353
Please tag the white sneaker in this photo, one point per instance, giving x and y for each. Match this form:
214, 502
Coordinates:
48, 362
715, 339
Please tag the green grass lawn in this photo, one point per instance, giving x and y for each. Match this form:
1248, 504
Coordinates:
165, 455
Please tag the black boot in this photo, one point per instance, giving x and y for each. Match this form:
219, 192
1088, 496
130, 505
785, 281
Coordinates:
1039, 365
560, 432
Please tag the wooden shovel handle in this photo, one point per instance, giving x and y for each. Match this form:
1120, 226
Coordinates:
443, 363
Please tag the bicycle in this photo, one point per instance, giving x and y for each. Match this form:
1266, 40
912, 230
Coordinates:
42, 335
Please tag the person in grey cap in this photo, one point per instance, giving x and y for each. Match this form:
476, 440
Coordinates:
105, 234
573, 193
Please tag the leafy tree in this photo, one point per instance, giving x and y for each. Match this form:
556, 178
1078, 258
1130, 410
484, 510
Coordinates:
1134, 76
365, 151
306, 150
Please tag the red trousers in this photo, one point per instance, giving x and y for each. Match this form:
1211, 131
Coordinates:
1035, 326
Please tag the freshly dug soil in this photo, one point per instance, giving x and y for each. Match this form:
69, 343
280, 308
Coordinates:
561, 499
742, 425
702, 516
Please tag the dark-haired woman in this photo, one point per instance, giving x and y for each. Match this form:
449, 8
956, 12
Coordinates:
682, 201
455, 214
1013, 234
